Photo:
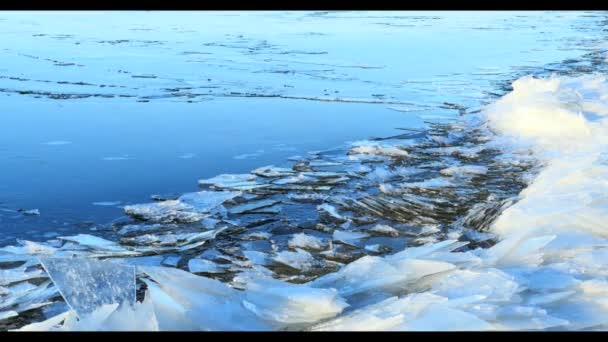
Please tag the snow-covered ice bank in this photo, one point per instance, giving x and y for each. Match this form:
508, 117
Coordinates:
547, 271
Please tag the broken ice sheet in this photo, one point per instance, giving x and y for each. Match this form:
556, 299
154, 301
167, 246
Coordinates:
349, 238
87, 284
299, 260
272, 171
232, 181
190, 207
204, 266
252, 206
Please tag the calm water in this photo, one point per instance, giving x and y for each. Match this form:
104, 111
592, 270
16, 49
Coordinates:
100, 110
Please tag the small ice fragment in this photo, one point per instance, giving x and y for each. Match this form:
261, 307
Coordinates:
252, 206
385, 230
232, 181
107, 204
300, 259
57, 143
94, 242
125, 157
329, 213
348, 237
30, 212
7, 314
376, 248
256, 258
87, 284
272, 171
203, 266
171, 260
373, 148
306, 241
464, 170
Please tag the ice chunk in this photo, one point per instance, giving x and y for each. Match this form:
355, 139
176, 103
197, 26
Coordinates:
94, 242
329, 213
272, 171
189, 207
87, 284
30, 212
384, 230
300, 259
349, 238
464, 170
306, 241
232, 181
10, 276
107, 203
290, 304
204, 266
7, 314
373, 148
252, 206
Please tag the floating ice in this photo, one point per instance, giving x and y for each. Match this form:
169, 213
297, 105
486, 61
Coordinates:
190, 207
57, 143
272, 171
107, 203
30, 212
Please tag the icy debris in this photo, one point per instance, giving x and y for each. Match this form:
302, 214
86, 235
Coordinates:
384, 229
369, 274
302, 240
8, 314
307, 197
107, 203
464, 170
252, 206
346, 237
29, 212
26, 247
87, 284
241, 182
19, 274
57, 143
171, 261
272, 171
257, 258
300, 259
373, 148
94, 242
204, 266
133, 229
290, 304
190, 207
152, 260
165, 211
25, 298
438, 182
329, 213
377, 248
